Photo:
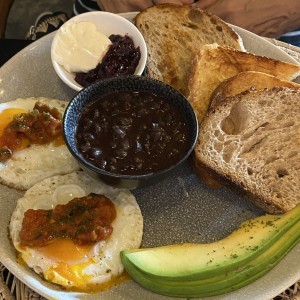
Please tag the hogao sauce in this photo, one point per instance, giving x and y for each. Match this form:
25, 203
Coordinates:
84, 220
132, 133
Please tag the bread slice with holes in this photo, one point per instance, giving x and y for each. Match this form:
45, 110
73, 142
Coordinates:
249, 80
214, 63
174, 34
252, 142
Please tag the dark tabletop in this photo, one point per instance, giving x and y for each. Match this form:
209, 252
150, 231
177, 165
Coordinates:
9, 47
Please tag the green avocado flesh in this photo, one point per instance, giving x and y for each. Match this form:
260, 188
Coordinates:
202, 270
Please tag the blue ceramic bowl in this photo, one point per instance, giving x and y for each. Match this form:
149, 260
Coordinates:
126, 83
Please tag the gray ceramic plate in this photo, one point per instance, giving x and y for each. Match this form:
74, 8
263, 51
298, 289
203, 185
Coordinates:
179, 209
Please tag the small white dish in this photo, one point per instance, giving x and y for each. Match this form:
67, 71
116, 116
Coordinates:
106, 23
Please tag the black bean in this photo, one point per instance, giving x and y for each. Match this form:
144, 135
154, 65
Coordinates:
96, 113
87, 124
139, 166
97, 128
112, 168
137, 159
125, 144
157, 135
113, 144
138, 146
97, 152
102, 163
87, 136
142, 112
121, 153
119, 131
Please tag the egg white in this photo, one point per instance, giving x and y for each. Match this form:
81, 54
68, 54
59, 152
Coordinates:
36, 162
102, 263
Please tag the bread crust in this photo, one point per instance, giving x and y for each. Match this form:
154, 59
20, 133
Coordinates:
214, 179
249, 80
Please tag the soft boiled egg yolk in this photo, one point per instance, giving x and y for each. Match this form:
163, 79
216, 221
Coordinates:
66, 250
70, 262
6, 117
59, 140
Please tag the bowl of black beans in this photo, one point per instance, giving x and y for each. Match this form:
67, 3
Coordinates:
130, 131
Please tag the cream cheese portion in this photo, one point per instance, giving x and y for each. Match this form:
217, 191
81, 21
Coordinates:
80, 47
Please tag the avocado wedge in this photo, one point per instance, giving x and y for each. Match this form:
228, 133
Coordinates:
199, 261
223, 280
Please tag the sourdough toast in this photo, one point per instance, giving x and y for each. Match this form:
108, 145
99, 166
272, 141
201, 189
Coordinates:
174, 33
251, 142
214, 63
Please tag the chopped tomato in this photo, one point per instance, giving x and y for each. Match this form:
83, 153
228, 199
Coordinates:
84, 220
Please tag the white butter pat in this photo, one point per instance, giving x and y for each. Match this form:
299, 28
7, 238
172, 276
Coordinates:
80, 47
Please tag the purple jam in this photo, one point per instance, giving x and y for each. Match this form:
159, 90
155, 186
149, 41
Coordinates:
121, 58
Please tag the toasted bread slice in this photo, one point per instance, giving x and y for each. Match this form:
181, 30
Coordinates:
251, 141
214, 63
249, 80
174, 33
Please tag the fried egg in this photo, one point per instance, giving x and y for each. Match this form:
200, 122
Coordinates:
80, 268
35, 162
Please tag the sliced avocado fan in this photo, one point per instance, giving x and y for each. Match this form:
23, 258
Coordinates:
202, 270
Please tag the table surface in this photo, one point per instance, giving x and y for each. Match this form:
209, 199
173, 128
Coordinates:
9, 47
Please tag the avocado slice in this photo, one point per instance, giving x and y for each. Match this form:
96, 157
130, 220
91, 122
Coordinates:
224, 282
184, 262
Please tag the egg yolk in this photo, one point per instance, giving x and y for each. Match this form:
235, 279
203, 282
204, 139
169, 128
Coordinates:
7, 115
70, 263
58, 141
71, 260
69, 276
66, 250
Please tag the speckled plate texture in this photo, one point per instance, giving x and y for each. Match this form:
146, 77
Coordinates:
178, 209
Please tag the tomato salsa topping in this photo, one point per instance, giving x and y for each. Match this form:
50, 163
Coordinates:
85, 220
40, 126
